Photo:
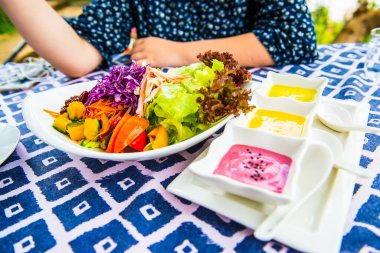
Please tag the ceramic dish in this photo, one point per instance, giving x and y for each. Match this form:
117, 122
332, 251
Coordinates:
261, 97
317, 226
40, 123
9, 136
283, 147
287, 108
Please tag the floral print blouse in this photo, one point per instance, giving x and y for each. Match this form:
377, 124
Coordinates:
284, 27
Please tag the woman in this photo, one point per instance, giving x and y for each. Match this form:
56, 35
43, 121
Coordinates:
172, 33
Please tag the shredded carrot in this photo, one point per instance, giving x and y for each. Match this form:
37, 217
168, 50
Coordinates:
105, 125
52, 113
112, 119
96, 109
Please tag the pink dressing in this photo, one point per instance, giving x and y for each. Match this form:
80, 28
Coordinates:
255, 166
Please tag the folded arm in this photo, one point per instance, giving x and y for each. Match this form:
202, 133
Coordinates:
245, 48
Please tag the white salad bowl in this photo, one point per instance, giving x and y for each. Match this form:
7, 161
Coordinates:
40, 123
261, 95
233, 134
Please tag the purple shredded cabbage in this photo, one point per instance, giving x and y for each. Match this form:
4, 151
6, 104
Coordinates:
119, 85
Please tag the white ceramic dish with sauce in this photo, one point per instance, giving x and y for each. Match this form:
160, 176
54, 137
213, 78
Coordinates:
291, 97
284, 107
280, 147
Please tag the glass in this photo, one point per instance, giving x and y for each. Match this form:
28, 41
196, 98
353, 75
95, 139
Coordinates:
372, 64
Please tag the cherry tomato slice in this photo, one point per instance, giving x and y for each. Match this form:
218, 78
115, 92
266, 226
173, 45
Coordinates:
140, 142
129, 131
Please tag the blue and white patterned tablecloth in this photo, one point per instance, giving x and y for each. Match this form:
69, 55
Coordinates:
55, 202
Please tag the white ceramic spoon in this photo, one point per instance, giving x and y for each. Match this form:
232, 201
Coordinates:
9, 136
337, 150
311, 178
339, 119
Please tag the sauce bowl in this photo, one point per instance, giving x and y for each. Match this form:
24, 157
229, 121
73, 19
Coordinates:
207, 168
262, 95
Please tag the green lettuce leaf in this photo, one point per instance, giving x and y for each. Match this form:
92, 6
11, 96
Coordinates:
174, 101
211, 92
176, 131
200, 76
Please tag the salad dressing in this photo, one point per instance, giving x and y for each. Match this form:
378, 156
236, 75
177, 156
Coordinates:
255, 166
298, 93
278, 122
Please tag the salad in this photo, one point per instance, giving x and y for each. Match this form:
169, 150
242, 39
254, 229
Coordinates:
137, 108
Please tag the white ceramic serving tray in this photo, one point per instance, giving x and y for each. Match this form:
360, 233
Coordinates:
317, 226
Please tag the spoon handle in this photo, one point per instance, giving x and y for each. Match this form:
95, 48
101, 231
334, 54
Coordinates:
354, 169
269, 227
367, 129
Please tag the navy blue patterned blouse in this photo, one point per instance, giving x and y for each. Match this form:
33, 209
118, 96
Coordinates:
284, 27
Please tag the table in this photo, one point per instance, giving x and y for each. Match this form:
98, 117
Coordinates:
56, 202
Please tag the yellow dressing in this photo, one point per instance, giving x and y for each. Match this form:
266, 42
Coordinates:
278, 122
298, 93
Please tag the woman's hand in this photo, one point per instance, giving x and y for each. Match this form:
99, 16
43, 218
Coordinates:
159, 52
246, 49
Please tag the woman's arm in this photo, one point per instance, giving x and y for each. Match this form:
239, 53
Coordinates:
51, 37
286, 29
245, 48
282, 32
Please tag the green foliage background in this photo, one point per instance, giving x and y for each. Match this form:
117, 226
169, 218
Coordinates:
5, 25
325, 29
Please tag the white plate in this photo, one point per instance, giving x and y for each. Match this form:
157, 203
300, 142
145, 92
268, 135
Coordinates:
9, 136
40, 123
317, 226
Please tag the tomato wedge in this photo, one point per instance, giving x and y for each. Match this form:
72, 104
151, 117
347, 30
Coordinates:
140, 142
129, 131
111, 143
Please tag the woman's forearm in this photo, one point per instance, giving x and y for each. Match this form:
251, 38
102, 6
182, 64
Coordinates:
245, 48
51, 37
